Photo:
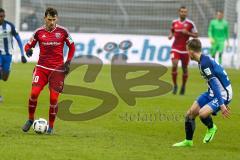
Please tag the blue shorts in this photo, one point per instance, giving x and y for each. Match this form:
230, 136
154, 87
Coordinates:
205, 98
5, 62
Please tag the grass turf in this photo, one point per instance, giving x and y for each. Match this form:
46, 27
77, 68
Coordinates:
128, 132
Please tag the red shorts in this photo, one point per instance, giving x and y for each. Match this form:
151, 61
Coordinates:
180, 56
55, 79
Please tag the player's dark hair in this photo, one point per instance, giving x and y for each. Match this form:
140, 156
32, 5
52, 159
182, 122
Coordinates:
182, 7
2, 10
51, 11
194, 45
220, 11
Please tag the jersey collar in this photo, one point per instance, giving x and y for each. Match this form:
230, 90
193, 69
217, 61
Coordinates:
51, 30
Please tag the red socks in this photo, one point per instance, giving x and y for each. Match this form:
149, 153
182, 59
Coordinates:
32, 103
53, 107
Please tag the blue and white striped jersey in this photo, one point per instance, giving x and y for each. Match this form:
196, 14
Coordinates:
219, 85
7, 31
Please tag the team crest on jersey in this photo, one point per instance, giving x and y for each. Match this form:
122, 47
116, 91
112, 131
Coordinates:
185, 25
175, 25
57, 35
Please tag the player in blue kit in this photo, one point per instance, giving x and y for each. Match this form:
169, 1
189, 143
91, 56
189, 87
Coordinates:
7, 32
217, 97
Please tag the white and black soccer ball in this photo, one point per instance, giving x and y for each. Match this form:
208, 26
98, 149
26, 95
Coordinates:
40, 125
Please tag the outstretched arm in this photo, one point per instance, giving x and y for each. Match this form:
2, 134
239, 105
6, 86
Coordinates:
19, 41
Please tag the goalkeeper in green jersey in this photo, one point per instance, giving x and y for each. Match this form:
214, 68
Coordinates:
218, 33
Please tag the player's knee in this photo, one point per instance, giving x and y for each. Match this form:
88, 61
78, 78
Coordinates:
203, 114
191, 113
53, 100
189, 119
175, 65
174, 69
35, 93
185, 70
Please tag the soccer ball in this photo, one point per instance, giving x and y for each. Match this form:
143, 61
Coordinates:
40, 126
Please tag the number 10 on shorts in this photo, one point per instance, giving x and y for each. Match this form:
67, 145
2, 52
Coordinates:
35, 79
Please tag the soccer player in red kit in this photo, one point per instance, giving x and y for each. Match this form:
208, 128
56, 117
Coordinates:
181, 30
51, 39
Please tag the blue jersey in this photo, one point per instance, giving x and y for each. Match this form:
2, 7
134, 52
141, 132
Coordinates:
219, 85
7, 32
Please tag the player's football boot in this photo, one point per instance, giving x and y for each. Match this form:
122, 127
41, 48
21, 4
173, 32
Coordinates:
27, 125
49, 131
185, 143
182, 91
175, 88
210, 134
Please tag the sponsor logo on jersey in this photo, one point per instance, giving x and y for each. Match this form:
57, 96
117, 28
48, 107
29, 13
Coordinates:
44, 36
51, 43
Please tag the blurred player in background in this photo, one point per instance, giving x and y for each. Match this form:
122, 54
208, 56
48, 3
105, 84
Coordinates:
218, 33
217, 97
7, 32
181, 30
51, 39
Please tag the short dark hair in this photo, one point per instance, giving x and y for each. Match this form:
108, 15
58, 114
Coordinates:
220, 11
194, 45
51, 11
182, 7
2, 10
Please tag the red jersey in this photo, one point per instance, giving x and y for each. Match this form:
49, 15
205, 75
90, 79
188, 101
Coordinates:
180, 39
51, 45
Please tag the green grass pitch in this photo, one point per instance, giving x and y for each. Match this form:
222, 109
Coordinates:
120, 134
